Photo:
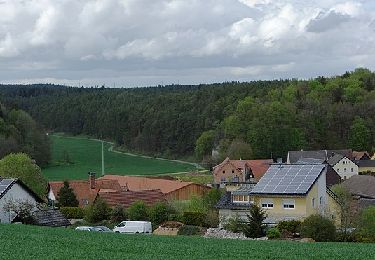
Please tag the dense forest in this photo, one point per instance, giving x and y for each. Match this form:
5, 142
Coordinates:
259, 119
20, 133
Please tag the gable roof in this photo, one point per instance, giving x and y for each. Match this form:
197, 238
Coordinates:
335, 159
126, 198
258, 167
134, 183
361, 185
7, 183
358, 155
365, 163
288, 179
324, 155
82, 189
50, 218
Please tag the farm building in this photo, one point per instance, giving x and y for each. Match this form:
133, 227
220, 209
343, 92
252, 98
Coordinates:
173, 190
14, 190
240, 170
285, 192
323, 155
125, 197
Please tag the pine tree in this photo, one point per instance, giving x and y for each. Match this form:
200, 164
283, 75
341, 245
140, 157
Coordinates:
66, 196
255, 226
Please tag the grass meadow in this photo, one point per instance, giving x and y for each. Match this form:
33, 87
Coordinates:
31, 242
74, 157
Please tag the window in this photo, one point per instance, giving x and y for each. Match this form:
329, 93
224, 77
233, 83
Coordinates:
222, 178
224, 172
240, 198
344, 169
288, 204
267, 203
232, 171
321, 200
338, 170
313, 202
352, 169
344, 177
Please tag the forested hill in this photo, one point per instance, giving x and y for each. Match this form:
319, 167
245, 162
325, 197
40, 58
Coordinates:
20, 133
255, 119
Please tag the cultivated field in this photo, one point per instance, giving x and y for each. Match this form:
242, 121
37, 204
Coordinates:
74, 157
30, 242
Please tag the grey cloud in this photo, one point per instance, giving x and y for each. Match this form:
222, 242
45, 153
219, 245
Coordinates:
326, 21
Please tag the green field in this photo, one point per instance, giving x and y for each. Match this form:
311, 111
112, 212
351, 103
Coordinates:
30, 242
74, 157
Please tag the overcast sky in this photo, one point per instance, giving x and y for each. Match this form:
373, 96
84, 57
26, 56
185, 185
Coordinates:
151, 42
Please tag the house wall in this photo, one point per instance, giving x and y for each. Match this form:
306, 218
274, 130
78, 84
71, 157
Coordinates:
228, 172
346, 168
365, 169
16, 193
187, 192
278, 213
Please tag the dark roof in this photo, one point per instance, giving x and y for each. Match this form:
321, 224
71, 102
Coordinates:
310, 161
324, 155
50, 218
7, 183
225, 202
361, 155
244, 189
365, 163
335, 159
126, 198
361, 185
288, 179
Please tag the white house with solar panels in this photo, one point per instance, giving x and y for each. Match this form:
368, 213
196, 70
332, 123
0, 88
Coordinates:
285, 192
16, 191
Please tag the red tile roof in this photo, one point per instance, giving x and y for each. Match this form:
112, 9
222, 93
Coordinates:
358, 155
126, 198
85, 195
134, 183
258, 167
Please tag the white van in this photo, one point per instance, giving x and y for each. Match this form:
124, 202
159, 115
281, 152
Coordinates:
133, 227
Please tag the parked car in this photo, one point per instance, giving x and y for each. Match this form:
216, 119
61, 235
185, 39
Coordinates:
133, 227
85, 228
101, 229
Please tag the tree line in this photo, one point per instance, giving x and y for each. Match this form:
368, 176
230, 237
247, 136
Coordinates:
259, 119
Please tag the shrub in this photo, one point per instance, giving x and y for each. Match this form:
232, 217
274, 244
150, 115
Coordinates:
366, 230
255, 227
188, 230
194, 218
234, 224
212, 218
97, 212
138, 211
118, 214
292, 226
318, 228
273, 233
159, 213
72, 212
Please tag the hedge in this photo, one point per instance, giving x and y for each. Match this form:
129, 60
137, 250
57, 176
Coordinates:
72, 212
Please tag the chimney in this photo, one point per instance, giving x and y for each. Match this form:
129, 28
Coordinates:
92, 180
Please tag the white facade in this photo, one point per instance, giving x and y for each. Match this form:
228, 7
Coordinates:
346, 168
16, 193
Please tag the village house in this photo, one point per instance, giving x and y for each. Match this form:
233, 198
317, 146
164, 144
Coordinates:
240, 171
126, 197
361, 155
15, 191
323, 155
344, 166
366, 166
285, 192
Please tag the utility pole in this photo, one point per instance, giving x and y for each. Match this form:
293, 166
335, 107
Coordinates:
102, 158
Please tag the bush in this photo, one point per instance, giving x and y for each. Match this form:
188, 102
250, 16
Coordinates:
194, 218
234, 224
160, 213
72, 212
118, 214
366, 230
273, 233
255, 227
318, 228
212, 219
138, 211
188, 230
292, 226
97, 212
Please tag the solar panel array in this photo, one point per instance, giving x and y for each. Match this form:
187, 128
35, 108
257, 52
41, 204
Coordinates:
4, 184
288, 179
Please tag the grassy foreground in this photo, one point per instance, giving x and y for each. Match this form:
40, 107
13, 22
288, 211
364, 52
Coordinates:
74, 157
27, 242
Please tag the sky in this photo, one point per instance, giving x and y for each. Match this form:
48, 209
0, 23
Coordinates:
129, 43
